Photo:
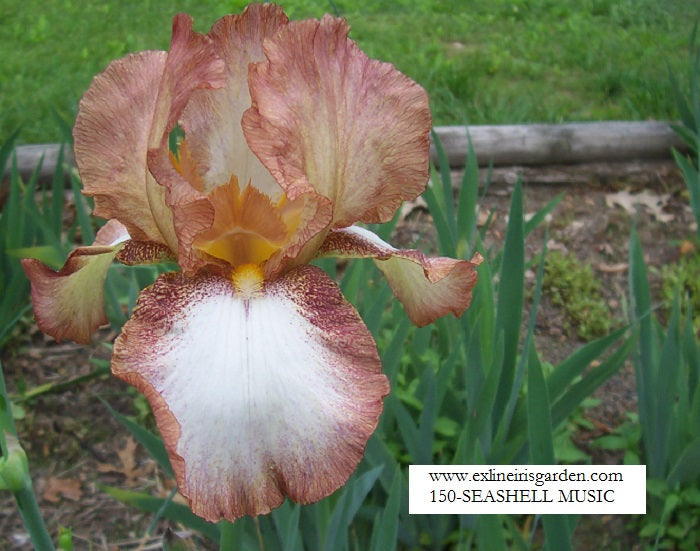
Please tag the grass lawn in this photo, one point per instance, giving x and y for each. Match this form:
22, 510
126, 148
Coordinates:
482, 61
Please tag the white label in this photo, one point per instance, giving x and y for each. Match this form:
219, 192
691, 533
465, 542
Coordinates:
527, 489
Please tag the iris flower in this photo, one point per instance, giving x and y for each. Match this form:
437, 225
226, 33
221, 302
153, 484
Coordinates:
263, 379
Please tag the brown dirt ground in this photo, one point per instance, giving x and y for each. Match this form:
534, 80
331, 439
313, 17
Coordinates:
74, 445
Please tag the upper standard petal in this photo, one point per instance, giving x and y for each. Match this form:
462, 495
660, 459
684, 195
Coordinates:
326, 116
192, 64
212, 119
215, 153
111, 140
257, 397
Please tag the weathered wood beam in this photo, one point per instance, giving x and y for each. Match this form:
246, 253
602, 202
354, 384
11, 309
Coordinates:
558, 144
502, 145
29, 156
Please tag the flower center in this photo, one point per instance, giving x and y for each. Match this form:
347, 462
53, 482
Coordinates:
248, 280
248, 228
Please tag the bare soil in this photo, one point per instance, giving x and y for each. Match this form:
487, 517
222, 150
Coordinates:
75, 446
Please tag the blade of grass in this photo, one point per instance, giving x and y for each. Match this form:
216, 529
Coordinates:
510, 300
467, 210
431, 195
86, 229
541, 214
565, 373
687, 468
13, 212
541, 446
351, 498
489, 533
664, 422
286, 518
57, 194
428, 416
539, 420
647, 354
571, 399
448, 199
173, 511
385, 531
528, 344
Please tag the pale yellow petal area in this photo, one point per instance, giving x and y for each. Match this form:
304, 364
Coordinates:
212, 119
428, 288
69, 304
326, 116
257, 397
311, 214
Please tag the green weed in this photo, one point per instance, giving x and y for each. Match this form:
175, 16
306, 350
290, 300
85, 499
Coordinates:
573, 286
683, 276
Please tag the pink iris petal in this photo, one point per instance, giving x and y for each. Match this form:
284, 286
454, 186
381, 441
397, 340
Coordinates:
192, 64
217, 147
70, 303
256, 398
111, 139
427, 287
212, 119
325, 116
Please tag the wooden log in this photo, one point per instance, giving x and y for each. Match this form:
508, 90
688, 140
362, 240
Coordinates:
29, 156
503, 145
550, 144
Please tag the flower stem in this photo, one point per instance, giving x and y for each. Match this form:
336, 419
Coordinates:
31, 516
24, 491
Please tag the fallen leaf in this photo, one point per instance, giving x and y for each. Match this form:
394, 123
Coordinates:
687, 247
128, 459
409, 206
482, 217
553, 245
612, 268
56, 488
128, 467
627, 200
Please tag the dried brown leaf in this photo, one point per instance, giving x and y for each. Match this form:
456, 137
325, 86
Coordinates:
57, 488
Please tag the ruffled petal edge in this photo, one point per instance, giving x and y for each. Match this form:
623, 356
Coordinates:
428, 288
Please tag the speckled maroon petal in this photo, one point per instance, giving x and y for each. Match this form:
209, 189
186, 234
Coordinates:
427, 287
256, 399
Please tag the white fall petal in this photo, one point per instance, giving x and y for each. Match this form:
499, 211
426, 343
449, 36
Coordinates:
256, 398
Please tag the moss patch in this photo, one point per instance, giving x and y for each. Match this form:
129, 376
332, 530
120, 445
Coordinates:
570, 284
683, 275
